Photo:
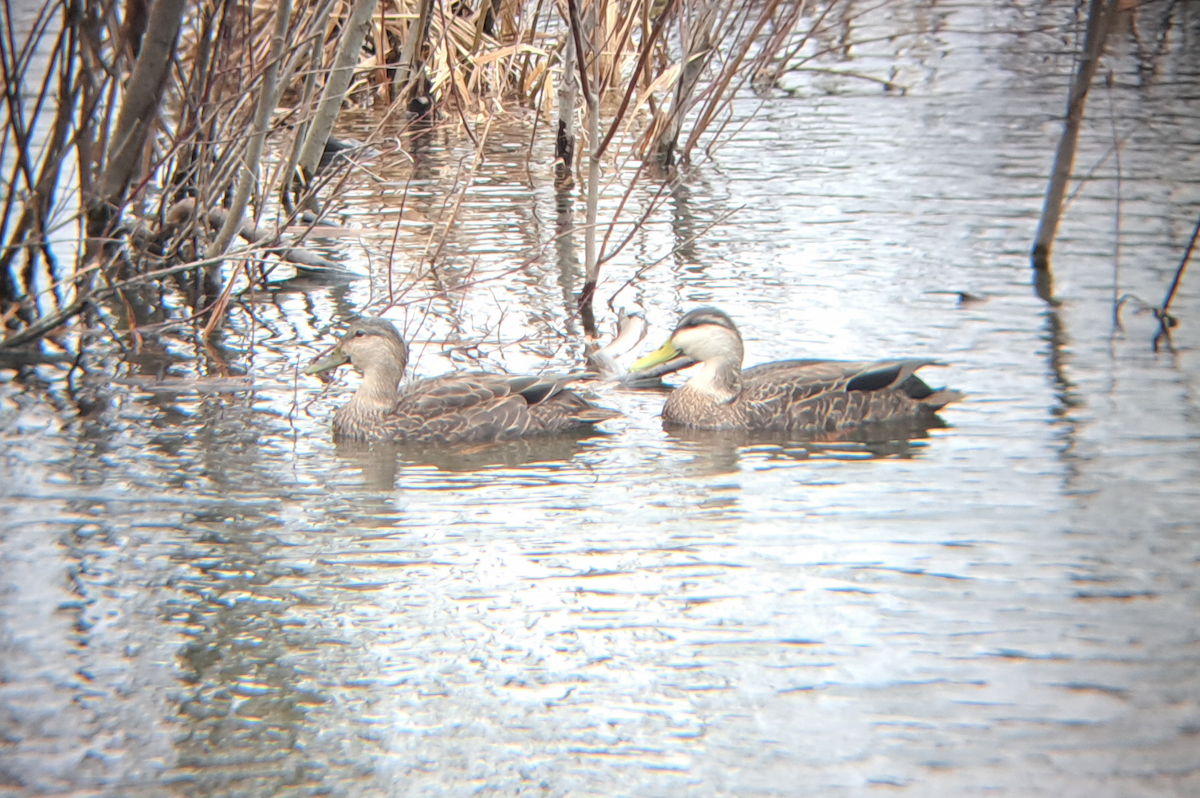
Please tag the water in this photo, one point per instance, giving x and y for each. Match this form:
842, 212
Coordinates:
202, 595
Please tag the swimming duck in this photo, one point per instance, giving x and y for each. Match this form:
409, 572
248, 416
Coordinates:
804, 397
461, 407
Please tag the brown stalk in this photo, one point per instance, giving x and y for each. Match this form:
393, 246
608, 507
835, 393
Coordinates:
1100, 16
643, 59
138, 109
719, 96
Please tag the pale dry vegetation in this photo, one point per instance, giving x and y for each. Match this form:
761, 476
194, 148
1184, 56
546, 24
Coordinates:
186, 146
189, 146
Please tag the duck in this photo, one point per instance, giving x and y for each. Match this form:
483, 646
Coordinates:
455, 408
799, 397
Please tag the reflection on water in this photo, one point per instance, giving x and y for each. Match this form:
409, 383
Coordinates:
725, 451
200, 594
381, 462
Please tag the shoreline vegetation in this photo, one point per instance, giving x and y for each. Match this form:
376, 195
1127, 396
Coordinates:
188, 148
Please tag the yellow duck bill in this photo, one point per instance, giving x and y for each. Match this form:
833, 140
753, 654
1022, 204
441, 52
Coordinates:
663, 360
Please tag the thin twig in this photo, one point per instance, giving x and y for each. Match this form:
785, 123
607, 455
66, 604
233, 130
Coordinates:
1165, 320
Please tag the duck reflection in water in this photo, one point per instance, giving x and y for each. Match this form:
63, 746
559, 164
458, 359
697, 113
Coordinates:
383, 463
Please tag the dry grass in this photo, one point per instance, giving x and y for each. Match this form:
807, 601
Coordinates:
660, 77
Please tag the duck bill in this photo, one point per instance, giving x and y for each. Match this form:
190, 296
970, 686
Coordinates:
661, 361
328, 363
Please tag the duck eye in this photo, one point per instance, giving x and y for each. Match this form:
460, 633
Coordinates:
359, 333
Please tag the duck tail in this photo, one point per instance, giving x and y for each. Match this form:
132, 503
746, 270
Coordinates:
594, 415
932, 398
940, 398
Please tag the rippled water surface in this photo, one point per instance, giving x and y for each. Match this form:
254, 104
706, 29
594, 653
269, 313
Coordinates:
201, 595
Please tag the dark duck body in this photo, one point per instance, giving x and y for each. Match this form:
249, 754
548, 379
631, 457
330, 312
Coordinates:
466, 407
800, 397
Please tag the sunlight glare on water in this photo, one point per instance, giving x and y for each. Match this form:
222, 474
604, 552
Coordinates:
201, 594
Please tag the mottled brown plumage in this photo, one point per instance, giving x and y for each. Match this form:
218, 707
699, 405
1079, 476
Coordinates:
473, 407
802, 397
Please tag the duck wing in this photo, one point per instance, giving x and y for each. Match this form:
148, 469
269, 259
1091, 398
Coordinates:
554, 408
480, 407
832, 394
460, 391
